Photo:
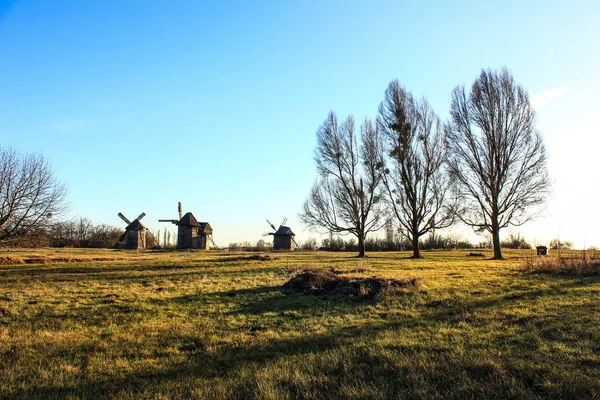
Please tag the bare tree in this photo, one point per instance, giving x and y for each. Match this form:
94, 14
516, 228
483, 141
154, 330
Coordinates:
347, 198
29, 194
557, 244
84, 230
496, 155
107, 233
417, 186
62, 233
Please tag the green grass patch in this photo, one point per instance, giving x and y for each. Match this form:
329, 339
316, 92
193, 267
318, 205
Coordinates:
221, 325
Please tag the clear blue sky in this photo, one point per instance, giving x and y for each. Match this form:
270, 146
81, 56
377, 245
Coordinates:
141, 104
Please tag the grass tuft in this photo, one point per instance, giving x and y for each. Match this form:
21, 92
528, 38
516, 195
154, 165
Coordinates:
10, 260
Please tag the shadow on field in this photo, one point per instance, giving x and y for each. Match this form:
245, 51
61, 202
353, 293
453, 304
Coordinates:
304, 364
280, 301
320, 365
239, 363
310, 365
125, 272
239, 295
454, 310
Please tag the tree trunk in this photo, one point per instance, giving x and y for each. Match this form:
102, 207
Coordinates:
415, 246
496, 239
361, 246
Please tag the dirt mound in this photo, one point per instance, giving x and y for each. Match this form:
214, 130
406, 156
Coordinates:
318, 282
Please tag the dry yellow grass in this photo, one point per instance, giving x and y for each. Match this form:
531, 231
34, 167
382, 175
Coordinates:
118, 324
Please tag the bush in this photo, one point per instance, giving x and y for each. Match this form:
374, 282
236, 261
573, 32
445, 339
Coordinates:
556, 244
515, 241
310, 244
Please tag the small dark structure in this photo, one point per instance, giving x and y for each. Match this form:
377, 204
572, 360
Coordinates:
97, 244
191, 234
134, 237
283, 238
542, 250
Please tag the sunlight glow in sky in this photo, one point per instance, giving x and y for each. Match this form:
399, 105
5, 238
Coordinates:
141, 104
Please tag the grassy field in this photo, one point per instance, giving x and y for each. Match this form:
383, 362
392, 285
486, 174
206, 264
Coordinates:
102, 323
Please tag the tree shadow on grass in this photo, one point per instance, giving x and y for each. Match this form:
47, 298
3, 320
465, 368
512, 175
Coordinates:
124, 273
327, 362
342, 358
312, 365
227, 362
276, 299
456, 310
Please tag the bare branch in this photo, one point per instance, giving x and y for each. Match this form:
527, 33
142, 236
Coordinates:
346, 199
29, 194
415, 183
496, 156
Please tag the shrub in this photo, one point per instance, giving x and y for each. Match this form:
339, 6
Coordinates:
556, 244
515, 241
310, 244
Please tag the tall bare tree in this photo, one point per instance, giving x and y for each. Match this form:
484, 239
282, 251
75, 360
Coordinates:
346, 199
416, 183
496, 155
109, 234
85, 227
29, 194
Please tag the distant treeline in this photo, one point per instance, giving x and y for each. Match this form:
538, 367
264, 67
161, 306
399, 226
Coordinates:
382, 244
75, 233
84, 233
431, 242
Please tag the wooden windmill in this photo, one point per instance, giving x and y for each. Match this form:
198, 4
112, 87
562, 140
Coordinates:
191, 234
134, 237
283, 238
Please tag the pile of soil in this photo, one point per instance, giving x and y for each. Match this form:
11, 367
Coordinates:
320, 282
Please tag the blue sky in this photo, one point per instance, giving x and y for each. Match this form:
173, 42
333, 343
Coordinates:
141, 104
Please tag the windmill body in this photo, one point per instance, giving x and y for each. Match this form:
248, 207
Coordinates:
191, 234
134, 237
283, 238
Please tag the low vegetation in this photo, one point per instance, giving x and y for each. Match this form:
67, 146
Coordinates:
123, 324
572, 263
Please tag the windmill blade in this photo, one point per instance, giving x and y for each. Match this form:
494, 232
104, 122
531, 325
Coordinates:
179, 209
142, 215
124, 218
213, 242
153, 238
266, 234
272, 226
284, 221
